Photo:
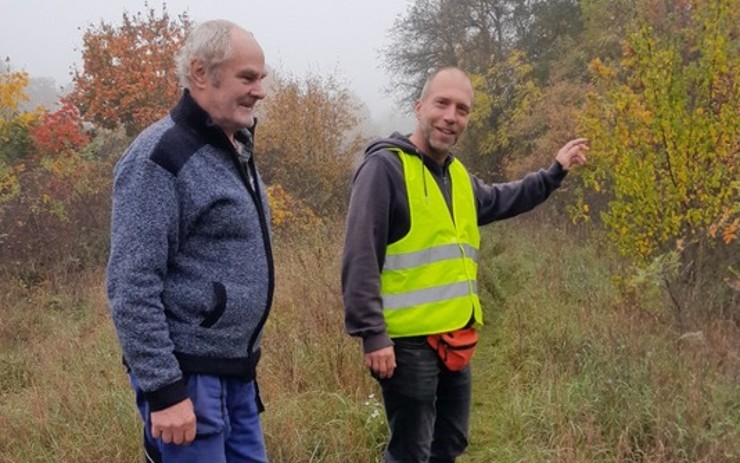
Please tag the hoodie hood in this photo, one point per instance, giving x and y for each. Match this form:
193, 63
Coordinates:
396, 140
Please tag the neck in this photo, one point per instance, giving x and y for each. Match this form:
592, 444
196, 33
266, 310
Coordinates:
203, 100
437, 156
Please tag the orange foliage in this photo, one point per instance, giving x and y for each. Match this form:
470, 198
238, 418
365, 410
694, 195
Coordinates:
59, 132
129, 72
731, 231
287, 210
727, 227
307, 140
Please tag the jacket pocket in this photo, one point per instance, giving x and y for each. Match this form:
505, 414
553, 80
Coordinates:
219, 292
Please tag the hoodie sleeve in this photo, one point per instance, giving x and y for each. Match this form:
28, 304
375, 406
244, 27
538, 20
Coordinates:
368, 225
500, 201
144, 227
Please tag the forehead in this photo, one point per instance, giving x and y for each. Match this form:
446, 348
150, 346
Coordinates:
247, 52
452, 84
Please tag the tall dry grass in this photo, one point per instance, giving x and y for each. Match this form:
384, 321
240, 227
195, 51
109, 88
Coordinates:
571, 370
64, 395
568, 369
322, 406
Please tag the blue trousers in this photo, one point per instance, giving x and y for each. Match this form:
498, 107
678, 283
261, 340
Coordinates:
228, 426
427, 406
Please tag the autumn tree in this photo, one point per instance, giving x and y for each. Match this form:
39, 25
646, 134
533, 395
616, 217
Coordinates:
59, 131
508, 48
58, 216
476, 34
605, 24
54, 190
547, 31
307, 140
664, 131
435, 33
504, 96
15, 140
559, 38
15, 122
128, 76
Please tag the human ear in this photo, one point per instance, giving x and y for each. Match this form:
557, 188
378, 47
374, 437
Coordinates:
198, 74
417, 108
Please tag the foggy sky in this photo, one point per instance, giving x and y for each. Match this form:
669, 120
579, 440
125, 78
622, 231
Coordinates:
43, 37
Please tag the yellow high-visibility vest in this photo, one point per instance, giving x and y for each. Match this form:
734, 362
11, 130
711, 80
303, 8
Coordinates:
429, 278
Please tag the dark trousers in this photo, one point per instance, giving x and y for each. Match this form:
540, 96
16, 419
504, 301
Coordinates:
427, 406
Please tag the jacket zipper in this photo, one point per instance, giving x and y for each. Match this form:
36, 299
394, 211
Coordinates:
255, 194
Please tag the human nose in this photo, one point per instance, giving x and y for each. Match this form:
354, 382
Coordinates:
258, 90
449, 115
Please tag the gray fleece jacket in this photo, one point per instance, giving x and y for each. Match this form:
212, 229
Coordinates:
378, 215
190, 275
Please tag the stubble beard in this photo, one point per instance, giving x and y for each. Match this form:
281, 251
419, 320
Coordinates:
439, 147
436, 149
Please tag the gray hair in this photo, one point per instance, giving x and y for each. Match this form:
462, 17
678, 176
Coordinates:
209, 43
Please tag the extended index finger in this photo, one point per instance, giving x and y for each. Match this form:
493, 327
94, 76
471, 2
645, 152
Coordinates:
577, 141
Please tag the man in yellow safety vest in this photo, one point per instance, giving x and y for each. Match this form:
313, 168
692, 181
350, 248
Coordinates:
409, 269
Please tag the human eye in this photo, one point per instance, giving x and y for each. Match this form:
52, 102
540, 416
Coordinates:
462, 108
440, 103
249, 77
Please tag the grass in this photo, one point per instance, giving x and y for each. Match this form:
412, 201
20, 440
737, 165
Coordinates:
66, 399
571, 372
321, 405
568, 369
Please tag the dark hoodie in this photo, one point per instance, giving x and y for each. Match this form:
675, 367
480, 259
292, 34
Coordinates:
378, 215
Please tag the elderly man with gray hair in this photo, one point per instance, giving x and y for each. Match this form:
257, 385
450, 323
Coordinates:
190, 276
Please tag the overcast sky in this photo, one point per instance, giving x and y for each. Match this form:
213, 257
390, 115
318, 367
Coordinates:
344, 36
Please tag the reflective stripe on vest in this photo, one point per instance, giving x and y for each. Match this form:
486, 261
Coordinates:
425, 256
423, 296
429, 277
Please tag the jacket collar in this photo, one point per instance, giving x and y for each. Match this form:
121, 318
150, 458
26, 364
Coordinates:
189, 114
